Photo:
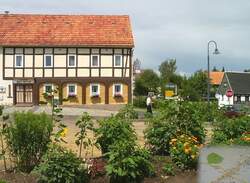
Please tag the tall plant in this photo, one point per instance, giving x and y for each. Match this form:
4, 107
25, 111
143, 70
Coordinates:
84, 123
28, 137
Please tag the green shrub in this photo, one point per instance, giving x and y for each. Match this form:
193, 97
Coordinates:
127, 112
113, 129
184, 151
140, 101
61, 166
127, 163
169, 169
229, 129
172, 119
27, 137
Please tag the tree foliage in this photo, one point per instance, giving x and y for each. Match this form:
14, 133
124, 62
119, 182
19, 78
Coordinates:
194, 88
167, 69
148, 81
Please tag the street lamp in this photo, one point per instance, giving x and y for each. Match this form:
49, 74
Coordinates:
216, 52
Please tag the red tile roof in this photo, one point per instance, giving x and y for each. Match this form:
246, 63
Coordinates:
216, 77
65, 30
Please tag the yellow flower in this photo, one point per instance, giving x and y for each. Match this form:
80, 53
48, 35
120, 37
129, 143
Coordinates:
174, 148
193, 156
182, 136
173, 140
64, 132
187, 150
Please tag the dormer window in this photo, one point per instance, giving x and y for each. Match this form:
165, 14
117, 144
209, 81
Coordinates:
48, 61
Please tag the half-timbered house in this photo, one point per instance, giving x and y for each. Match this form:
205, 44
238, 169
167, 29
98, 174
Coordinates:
87, 58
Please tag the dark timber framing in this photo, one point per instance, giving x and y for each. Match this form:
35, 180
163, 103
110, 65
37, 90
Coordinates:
60, 81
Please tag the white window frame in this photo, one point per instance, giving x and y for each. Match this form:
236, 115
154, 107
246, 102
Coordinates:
17, 55
98, 92
51, 60
72, 55
114, 93
72, 84
52, 87
97, 60
115, 61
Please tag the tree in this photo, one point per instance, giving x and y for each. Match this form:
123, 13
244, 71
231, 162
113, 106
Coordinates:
223, 69
195, 87
215, 69
148, 81
167, 69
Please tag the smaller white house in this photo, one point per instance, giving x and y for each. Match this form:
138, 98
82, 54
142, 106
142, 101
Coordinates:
234, 89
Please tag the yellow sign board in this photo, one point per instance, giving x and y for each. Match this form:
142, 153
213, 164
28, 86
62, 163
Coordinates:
169, 93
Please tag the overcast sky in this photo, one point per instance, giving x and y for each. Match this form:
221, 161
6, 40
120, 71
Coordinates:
168, 28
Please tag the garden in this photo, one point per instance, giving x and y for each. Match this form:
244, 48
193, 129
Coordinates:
35, 146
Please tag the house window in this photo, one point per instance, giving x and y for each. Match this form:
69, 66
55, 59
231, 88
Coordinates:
117, 89
247, 98
94, 89
242, 99
118, 61
95, 60
71, 60
19, 61
48, 88
48, 62
72, 88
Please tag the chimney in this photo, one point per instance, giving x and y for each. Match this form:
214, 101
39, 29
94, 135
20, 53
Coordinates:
6, 12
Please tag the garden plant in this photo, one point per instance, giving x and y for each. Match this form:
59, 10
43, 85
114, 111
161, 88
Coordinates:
27, 137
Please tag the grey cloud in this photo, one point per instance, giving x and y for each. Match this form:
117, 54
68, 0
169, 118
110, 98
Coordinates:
168, 29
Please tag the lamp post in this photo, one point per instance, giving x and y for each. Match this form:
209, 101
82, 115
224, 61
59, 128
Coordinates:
216, 51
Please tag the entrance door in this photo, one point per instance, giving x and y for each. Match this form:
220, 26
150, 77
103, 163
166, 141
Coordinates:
24, 94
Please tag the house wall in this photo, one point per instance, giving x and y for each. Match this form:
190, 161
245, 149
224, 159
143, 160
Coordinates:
33, 61
119, 100
223, 100
72, 101
6, 96
60, 74
42, 91
95, 100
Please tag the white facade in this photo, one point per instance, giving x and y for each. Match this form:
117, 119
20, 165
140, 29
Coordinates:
6, 87
223, 100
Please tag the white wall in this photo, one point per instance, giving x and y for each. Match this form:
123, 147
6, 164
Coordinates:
4, 100
224, 100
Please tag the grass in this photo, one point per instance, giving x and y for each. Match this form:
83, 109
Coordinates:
214, 158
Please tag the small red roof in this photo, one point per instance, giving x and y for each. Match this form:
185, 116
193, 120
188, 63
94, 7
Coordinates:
216, 77
65, 30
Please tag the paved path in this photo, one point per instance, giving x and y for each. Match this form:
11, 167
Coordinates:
67, 111
234, 166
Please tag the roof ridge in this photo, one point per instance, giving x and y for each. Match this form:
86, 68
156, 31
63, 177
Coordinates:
237, 72
41, 14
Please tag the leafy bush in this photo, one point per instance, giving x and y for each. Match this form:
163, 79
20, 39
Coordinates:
127, 163
127, 112
140, 101
27, 137
61, 166
172, 119
184, 151
113, 129
169, 169
229, 129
